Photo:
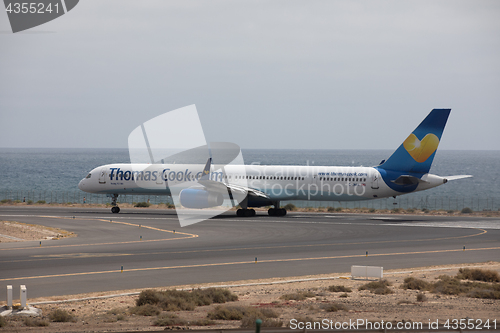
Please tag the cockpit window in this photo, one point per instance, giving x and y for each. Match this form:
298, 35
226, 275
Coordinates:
88, 176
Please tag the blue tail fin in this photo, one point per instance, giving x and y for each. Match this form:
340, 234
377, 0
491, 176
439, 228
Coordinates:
417, 152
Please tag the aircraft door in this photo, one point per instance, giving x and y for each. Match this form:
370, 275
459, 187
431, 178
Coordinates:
159, 179
102, 176
375, 177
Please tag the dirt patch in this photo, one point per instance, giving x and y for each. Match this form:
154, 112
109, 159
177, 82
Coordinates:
318, 304
18, 232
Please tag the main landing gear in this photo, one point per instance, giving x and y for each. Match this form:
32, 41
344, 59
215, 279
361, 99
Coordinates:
115, 209
245, 212
276, 211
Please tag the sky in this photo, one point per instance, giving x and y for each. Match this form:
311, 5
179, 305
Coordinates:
262, 74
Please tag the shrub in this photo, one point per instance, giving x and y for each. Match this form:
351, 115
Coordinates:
421, 297
339, 289
425, 210
372, 210
145, 310
396, 210
250, 321
33, 322
17, 201
3, 322
377, 287
201, 322
266, 315
117, 311
449, 286
453, 286
61, 316
168, 319
142, 204
484, 293
331, 209
478, 275
248, 315
29, 202
40, 202
338, 209
9, 201
298, 296
344, 295
415, 284
290, 207
466, 210
227, 313
451, 211
148, 296
334, 307
410, 210
176, 300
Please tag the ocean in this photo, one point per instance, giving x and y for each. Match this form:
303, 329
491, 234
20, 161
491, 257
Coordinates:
52, 175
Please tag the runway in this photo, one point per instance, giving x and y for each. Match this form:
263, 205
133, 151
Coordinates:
225, 248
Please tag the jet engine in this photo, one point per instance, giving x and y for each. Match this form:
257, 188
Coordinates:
198, 198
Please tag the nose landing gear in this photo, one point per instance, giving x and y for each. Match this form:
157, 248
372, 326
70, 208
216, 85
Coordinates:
115, 209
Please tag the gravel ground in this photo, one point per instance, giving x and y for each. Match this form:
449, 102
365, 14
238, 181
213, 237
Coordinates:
93, 315
18, 232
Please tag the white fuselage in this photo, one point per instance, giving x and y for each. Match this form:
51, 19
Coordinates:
324, 183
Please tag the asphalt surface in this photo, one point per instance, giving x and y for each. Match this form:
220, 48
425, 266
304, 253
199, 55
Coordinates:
225, 248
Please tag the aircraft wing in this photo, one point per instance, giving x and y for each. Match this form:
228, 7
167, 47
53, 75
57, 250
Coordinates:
221, 187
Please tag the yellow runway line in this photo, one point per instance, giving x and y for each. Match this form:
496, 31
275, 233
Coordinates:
241, 263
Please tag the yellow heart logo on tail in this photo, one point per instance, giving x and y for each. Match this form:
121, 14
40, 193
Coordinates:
421, 150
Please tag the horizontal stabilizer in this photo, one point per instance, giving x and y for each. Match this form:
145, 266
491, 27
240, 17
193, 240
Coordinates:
407, 180
458, 177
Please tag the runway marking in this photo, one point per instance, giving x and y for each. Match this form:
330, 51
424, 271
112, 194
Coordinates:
186, 235
40, 257
240, 263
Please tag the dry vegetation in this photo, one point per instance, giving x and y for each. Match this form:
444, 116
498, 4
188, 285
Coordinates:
431, 294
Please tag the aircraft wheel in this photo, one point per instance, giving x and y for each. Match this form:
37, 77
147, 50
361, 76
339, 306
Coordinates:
252, 212
115, 210
271, 212
282, 212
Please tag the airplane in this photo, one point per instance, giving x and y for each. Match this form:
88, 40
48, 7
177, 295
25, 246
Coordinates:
405, 171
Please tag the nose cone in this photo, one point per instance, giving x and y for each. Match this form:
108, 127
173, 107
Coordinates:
80, 184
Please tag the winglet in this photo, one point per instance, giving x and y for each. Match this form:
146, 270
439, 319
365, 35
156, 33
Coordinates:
206, 171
